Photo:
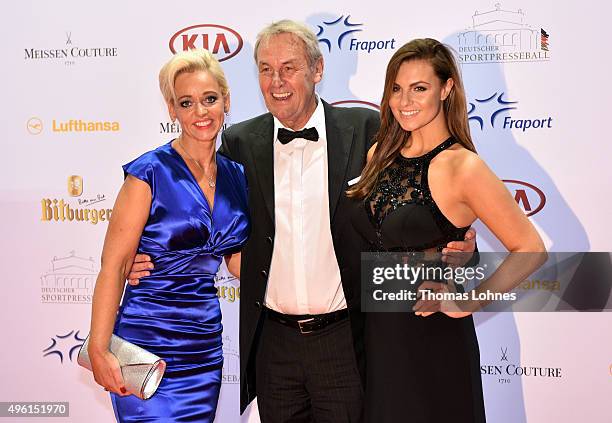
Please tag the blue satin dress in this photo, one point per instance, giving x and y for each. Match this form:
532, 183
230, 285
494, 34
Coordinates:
175, 313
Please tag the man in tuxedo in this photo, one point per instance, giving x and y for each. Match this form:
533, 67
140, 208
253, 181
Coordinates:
301, 329
296, 344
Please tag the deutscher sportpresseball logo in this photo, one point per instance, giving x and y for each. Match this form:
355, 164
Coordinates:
231, 362
70, 279
502, 35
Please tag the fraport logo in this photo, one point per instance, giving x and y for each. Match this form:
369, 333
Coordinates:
65, 346
339, 34
493, 112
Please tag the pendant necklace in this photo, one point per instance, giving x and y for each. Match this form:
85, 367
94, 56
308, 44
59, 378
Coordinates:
211, 181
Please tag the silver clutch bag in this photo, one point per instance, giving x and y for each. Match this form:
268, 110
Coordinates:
142, 371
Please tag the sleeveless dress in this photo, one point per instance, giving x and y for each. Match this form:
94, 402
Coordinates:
418, 369
175, 313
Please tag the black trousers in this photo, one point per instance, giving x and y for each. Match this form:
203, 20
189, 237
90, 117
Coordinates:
308, 377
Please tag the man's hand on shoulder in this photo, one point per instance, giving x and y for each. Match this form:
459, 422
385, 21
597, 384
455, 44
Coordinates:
140, 268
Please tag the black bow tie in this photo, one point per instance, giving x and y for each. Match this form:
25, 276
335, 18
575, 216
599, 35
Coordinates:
286, 136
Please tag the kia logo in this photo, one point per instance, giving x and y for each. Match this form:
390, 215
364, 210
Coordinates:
529, 197
220, 40
358, 103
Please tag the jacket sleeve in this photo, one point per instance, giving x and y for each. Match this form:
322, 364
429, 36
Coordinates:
229, 146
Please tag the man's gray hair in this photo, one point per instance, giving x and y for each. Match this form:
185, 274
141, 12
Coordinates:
298, 29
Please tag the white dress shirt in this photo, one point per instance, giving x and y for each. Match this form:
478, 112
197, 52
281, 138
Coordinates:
304, 274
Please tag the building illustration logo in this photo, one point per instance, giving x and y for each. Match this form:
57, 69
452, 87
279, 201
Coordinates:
231, 362
501, 35
69, 280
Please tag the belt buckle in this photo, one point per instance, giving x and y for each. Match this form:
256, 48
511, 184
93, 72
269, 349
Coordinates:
302, 330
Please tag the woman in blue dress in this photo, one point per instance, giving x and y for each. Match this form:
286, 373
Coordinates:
186, 207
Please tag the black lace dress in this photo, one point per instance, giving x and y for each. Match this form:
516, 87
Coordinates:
419, 369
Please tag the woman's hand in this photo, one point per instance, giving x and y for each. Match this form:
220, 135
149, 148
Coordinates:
107, 372
233, 264
447, 301
141, 267
130, 213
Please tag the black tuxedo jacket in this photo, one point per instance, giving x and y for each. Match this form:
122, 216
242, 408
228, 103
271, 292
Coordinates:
349, 136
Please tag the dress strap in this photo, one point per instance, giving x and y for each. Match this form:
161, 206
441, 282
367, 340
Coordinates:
441, 147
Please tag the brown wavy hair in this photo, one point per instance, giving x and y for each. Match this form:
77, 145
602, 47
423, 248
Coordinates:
391, 138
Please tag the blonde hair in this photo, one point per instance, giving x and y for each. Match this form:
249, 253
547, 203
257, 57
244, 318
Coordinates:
190, 61
301, 31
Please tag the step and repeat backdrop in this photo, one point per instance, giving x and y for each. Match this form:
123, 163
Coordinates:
81, 99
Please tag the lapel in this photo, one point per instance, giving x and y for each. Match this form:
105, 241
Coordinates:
339, 144
261, 145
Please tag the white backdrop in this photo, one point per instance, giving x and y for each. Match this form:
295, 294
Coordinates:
81, 99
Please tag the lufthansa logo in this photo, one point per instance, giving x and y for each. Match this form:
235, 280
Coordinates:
34, 126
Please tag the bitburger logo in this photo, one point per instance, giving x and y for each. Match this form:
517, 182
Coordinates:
222, 41
61, 210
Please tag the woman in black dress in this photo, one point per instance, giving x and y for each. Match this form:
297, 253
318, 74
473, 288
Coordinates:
423, 186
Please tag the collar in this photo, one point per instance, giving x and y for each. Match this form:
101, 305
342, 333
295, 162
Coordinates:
317, 120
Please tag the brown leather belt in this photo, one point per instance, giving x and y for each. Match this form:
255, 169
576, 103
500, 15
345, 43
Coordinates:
306, 323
